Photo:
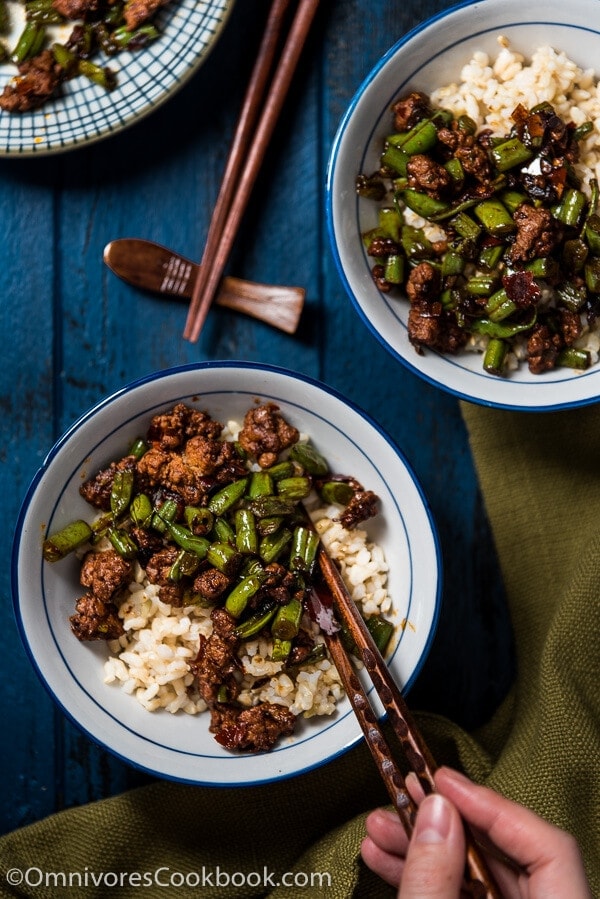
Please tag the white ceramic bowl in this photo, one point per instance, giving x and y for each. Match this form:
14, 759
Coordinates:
180, 746
428, 57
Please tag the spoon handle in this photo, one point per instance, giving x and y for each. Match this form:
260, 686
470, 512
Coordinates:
153, 267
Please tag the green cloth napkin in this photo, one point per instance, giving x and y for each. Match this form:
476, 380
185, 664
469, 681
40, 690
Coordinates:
540, 476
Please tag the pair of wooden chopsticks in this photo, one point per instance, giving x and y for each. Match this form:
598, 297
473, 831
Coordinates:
478, 878
247, 150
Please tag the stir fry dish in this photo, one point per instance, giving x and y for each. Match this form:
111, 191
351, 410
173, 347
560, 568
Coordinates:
98, 26
494, 240
217, 522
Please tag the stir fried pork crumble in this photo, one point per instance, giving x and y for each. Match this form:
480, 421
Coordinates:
200, 571
492, 236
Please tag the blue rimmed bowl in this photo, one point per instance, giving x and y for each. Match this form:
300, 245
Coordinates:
430, 56
180, 746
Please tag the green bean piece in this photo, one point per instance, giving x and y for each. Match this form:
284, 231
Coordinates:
544, 267
272, 546
303, 553
395, 159
512, 199
420, 139
286, 623
239, 597
224, 557
141, 510
269, 526
186, 564
163, 515
394, 269
261, 484
199, 519
269, 506
481, 285
494, 217
504, 310
30, 42
572, 296
456, 172
102, 76
246, 537
228, 496
136, 39
495, 356
66, 540
583, 130
592, 233
223, 532
311, 460
65, 59
571, 357
466, 226
415, 244
295, 488
509, 154
281, 470
338, 492
138, 448
571, 208
381, 630
501, 330
390, 224
40, 11
258, 621
422, 204
592, 275
184, 538
490, 256
281, 650
121, 491
123, 543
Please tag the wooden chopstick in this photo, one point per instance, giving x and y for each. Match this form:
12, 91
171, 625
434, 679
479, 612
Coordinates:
246, 155
479, 879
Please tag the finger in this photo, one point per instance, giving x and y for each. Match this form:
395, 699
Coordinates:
413, 785
519, 833
435, 861
385, 864
386, 830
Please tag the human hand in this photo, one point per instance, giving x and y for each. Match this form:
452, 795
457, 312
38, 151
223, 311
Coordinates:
545, 861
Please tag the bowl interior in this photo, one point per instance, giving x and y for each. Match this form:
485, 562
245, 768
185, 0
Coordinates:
179, 746
427, 58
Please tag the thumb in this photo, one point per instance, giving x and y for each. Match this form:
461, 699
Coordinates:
435, 860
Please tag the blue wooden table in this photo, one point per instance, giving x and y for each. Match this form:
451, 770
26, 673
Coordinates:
72, 333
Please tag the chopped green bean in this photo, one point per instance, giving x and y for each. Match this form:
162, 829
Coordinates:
246, 537
311, 460
495, 356
122, 491
238, 598
228, 496
65, 541
286, 623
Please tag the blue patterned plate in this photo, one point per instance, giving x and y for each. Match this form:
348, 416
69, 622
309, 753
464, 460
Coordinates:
84, 112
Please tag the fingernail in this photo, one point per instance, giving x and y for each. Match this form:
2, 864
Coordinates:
433, 820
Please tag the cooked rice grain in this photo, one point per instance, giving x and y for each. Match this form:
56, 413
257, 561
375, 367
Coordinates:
150, 661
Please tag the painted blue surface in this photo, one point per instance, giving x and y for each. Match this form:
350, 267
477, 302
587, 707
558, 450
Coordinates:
73, 333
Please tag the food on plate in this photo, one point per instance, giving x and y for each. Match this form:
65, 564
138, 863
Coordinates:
488, 213
200, 564
97, 27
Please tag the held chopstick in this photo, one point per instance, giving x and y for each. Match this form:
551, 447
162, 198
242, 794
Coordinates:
239, 177
480, 879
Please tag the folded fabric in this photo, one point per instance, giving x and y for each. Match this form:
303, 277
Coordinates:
540, 479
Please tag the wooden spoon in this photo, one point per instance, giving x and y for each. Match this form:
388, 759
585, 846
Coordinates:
153, 267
